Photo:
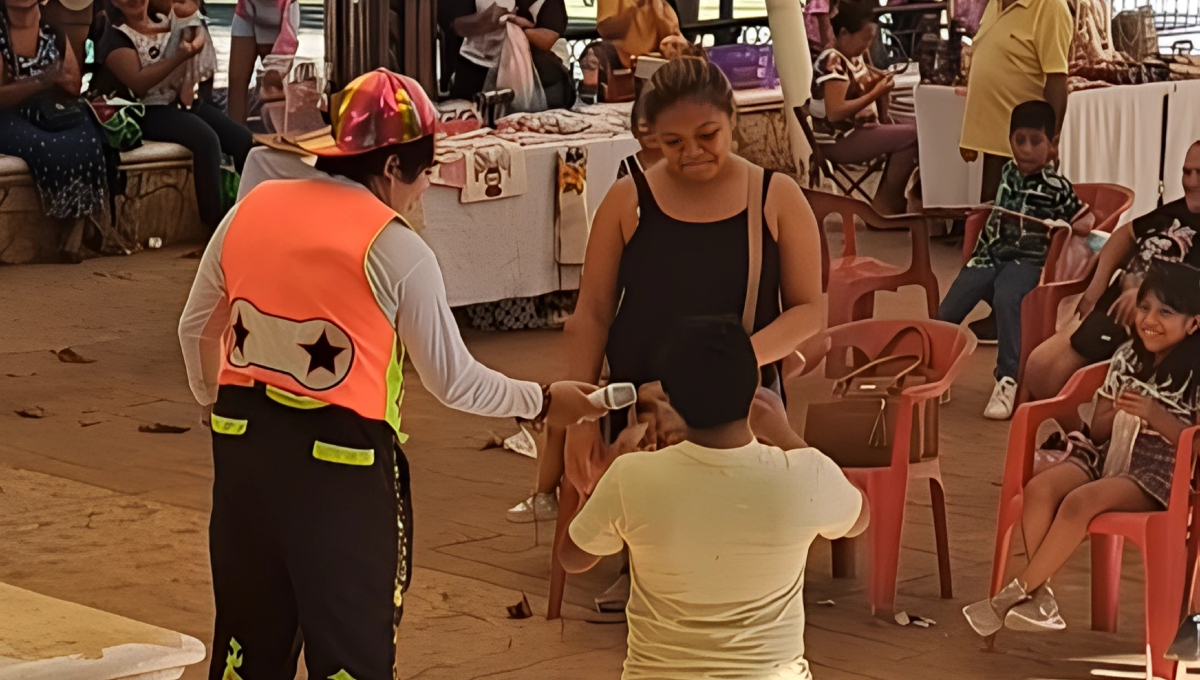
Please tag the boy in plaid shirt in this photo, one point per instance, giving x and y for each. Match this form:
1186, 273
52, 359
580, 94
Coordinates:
1012, 248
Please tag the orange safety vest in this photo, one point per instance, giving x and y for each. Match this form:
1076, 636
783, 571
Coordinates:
304, 319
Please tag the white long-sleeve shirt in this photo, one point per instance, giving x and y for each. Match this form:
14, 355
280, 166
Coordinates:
408, 287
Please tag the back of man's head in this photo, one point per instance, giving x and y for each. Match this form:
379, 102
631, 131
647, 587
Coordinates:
709, 371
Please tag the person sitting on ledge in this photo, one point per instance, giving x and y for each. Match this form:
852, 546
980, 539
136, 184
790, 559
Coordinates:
718, 527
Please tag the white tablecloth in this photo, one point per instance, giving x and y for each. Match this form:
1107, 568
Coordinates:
502, 249
1111, 135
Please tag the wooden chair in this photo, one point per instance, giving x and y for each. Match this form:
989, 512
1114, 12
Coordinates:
1161, 536
853, 280
846, 182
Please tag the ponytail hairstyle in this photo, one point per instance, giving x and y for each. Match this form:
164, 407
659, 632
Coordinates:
687, 79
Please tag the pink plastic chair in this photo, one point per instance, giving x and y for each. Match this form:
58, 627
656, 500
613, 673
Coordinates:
887, 487
1039, 311
1160, 536
853, 280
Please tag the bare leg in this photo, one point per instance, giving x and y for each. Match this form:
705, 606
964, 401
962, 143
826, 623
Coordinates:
1043, 496
1078, 509
1051, 365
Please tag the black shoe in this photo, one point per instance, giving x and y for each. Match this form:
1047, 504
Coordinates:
985, 330
1186, 647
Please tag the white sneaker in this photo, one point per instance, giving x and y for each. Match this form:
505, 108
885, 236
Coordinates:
542, 507
1000, 407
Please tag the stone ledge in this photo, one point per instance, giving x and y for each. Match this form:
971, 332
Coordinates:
159, 201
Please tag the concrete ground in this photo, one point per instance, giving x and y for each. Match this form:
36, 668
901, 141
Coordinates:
95, 512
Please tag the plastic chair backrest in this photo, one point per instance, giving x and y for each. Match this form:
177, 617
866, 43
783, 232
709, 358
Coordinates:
1108, 203
950, 344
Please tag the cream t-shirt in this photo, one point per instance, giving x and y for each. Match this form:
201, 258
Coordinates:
718, 540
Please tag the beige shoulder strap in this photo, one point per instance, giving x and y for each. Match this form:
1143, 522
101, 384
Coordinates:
754, 222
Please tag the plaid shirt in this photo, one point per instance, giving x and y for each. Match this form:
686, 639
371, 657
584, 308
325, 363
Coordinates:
1044, 195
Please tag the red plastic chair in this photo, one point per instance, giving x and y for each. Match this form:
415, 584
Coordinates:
1160, 536
887, 487
1039, 311
852, 280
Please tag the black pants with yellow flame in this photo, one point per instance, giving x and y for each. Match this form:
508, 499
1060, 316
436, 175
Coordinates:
310, 539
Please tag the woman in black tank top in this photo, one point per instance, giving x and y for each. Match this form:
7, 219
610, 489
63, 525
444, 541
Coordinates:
674, 242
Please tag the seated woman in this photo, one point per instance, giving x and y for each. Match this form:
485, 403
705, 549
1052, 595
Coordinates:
1125, 462
260, 28
134, 54
1109, 305
65, 156
639, 27
849, 108
544, 23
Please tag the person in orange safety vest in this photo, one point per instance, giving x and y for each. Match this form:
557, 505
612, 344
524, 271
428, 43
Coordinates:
309, 298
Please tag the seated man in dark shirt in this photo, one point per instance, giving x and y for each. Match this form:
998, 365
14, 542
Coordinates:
480, 25
1108, 307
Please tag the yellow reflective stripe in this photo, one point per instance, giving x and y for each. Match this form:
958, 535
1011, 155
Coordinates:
395, 385
341, 675
293, 400
231, 426
331, 453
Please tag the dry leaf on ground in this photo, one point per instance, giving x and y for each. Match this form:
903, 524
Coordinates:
33, 412
160, 428
520, 610
70, 356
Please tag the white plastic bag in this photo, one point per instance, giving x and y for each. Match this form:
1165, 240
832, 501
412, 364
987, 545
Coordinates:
514, 71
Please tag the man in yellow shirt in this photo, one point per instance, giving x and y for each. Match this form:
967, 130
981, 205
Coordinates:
718, 527
636, 27
1020, 54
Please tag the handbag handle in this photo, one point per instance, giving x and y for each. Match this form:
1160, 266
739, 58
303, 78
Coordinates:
754, 217
926, 343
839, 387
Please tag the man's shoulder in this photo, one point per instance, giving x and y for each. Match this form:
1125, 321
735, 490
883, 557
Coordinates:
1050, 6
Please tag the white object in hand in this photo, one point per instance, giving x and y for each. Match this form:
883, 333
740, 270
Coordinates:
614, 396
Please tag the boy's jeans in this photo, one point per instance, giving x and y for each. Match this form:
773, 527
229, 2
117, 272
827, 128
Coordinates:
1012, 281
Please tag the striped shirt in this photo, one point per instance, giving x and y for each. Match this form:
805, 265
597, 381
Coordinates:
1045, 196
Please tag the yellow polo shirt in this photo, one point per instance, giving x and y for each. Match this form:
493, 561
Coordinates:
652, 22
1013, 51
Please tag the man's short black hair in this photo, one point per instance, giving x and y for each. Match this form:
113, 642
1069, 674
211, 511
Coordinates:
709, 371
1033, 115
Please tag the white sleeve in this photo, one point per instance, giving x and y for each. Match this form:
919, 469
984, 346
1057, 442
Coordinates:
408, 287
205, 318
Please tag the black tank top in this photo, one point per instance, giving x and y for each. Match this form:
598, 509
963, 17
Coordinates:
673, 269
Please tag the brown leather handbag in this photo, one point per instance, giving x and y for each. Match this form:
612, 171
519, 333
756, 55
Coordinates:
856, 426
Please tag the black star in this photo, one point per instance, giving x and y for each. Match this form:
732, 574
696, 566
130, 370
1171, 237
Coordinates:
240, 333
322, 354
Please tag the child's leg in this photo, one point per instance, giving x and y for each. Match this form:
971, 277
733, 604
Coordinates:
967, 291
1043, 494
1014, 280
1078, 509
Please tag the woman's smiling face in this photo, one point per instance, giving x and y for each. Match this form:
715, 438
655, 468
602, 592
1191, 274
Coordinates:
1160, 326
695, 138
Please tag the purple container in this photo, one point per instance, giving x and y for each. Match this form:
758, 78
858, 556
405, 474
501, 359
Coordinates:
746, 66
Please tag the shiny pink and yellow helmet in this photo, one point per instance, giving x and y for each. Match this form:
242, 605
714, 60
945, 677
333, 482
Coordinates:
376, 110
